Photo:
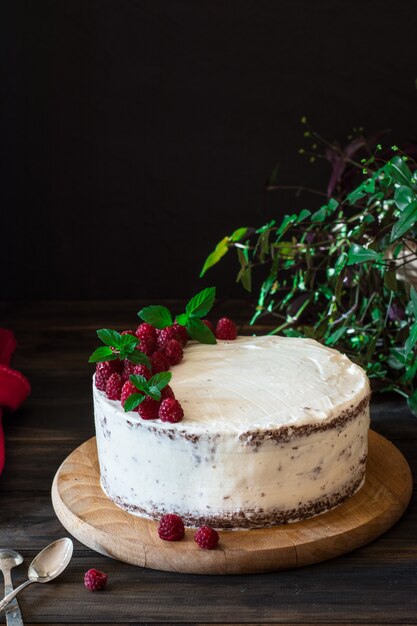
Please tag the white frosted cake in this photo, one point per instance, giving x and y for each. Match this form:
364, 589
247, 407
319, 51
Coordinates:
275, 430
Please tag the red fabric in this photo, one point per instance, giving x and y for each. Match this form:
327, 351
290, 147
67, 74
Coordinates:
14, 387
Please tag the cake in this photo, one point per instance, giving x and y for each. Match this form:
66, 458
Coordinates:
274, 431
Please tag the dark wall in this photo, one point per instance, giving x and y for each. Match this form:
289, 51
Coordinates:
138, 133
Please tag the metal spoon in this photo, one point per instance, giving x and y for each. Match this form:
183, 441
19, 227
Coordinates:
8, 560
46, 566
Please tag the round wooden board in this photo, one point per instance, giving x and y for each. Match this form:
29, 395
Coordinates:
96, 521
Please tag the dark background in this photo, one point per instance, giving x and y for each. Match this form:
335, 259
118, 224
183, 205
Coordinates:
136, 134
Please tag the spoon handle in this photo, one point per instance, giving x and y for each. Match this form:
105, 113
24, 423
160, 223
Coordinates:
13, 594
13, 614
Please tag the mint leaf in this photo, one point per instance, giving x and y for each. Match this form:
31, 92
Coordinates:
110, 337
140, 382
156, 315
102, 354
138, 357
133, 401
154, 393
201, 303
160, 380
182, 319
199, 331
128, 342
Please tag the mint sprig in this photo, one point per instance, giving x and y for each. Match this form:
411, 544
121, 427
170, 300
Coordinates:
118, 346
151, 388
199, 305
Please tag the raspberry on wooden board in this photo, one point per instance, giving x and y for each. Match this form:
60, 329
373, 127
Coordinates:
171, 527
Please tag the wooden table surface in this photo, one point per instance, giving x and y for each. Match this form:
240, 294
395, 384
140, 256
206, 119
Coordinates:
376, 584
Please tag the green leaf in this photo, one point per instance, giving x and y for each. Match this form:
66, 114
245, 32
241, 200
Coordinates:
359, 254
154, 393
399, 171
245, 273
356, 194
340, 263
369, 185
128, 342
160, 380
199, 331
156, 315
182, 319
403, 196
285, 224
201, 303
133, 401
320, 215
304, 214
138, 357
110, 337
265, 227
406, 221
412, 339
325, 211
412, 403
102, 354
214, 257
140, 382
238, 234
335, 336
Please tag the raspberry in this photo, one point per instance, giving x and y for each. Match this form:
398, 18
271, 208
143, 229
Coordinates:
127, 390
159, 362
171, 527
226, 329
114, 387
147, 346
128, 369
182, 334
148, 409
141, 370
167, 393
128, 332
209, 325
148, 332
173, 351
95, 580
165, 335
206, 537
104, 370
171, 411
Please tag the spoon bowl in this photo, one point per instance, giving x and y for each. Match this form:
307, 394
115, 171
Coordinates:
46, 566
51, 561
10, 558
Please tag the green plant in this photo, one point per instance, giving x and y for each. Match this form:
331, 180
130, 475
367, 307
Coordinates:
337, 274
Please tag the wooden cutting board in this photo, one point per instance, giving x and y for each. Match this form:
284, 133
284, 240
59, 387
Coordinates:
87, 513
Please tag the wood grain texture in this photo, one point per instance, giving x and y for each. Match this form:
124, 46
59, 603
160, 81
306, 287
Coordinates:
93, 519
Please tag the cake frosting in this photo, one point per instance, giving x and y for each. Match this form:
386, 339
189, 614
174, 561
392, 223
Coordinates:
275, 430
